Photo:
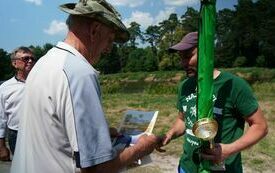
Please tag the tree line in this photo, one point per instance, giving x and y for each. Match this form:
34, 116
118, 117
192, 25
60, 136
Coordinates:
244, 38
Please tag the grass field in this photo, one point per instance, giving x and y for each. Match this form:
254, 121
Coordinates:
259, 158
157, 91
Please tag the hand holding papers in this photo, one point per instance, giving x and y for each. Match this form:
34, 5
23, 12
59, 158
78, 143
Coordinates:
133, 126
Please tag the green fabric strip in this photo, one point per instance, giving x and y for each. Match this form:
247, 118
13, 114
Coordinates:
206, 59
206, 65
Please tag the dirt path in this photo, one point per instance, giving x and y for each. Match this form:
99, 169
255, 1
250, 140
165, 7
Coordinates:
160, 164
167, 164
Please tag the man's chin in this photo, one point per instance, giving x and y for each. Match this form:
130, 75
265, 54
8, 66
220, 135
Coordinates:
190, 74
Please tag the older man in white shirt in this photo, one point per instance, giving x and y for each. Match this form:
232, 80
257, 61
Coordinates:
11, 92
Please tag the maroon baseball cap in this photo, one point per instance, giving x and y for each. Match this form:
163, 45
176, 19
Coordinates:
189, 41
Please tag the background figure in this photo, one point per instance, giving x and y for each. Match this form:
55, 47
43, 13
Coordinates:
234, 104
63, 126
11, 93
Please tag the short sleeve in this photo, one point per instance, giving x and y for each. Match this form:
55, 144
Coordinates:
246, 102
92, 132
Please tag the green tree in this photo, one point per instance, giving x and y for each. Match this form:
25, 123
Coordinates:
168, 28
165, 64
47, 47
152, 36
244, 31
225, 44
6, 70
37, 51
261, 61
150, 62
135, 33
240, 61
124, 51
109, 63
266, 28
136, 61
41, 51
190, 20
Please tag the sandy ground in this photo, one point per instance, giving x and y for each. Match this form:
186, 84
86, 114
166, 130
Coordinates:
166, 164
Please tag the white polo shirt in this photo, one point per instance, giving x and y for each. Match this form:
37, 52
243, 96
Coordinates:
62, 126
11, 93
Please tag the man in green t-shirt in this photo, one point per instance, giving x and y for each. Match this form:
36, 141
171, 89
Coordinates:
234, 104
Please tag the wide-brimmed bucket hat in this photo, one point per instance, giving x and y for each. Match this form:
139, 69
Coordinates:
103, 12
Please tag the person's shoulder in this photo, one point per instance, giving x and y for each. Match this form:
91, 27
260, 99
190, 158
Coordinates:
8, 82
184, 80
232, 76
188, 82
237, 81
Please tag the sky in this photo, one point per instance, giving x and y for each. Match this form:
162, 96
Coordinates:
37, 22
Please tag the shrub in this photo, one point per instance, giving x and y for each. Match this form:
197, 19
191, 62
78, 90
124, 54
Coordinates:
240, 61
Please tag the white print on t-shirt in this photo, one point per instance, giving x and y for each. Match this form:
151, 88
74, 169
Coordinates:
193, 111
192, 142
189, 122
190, 97
184, 108
194, 95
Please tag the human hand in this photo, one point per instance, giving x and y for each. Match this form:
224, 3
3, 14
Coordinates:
4, 154
165, 139
218, 154
147, 143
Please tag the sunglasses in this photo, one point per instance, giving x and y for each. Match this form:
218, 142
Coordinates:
27, 59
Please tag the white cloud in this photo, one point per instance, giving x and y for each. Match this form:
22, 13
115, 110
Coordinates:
145, 19
142, 18
36, 2
164, 14
181, 2
56, 27
130, 3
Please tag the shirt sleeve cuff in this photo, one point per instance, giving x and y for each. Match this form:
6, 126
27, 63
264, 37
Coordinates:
2, 133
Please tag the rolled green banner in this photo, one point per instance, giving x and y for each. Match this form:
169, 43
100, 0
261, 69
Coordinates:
205, 86
206, 58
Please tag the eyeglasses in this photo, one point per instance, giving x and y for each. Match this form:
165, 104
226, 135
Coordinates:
26, 59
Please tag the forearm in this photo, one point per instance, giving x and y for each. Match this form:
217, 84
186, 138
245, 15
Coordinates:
251, 137
2, 142
256, 131
4, 152
126, 157
178, 128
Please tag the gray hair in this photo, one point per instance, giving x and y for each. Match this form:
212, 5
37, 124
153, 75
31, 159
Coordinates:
69, 22
75, 20
20, 49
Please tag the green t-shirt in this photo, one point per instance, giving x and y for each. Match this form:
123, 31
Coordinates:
233, 100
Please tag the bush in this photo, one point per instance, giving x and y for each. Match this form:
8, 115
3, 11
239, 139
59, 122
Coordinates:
260, 61
240, 61
165, 82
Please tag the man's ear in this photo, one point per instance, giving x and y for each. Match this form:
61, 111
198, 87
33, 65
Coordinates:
95, 27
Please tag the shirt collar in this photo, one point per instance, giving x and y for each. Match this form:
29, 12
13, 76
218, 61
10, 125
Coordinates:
75, 52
